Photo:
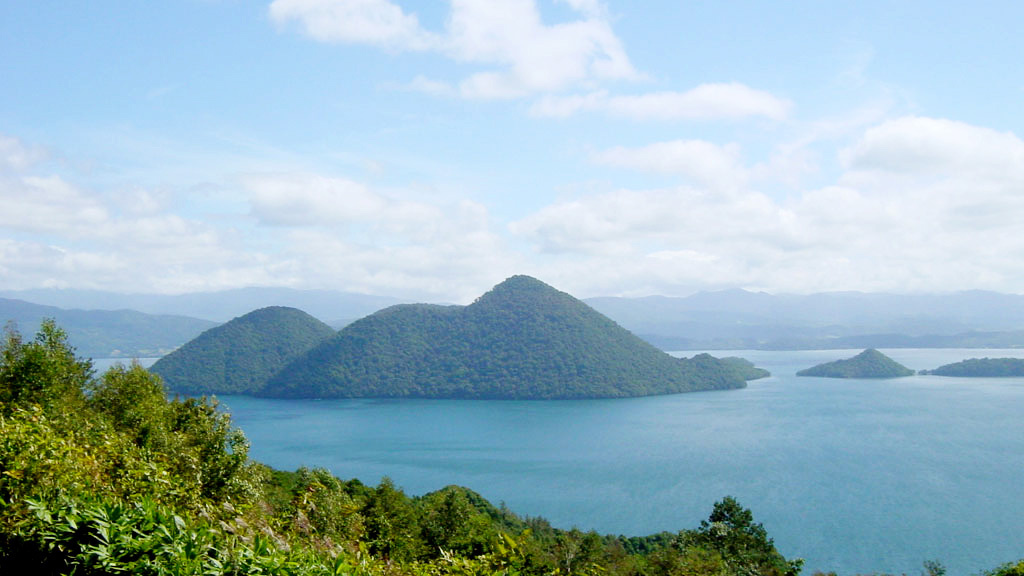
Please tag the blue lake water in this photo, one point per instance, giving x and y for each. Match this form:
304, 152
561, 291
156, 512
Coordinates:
854, 476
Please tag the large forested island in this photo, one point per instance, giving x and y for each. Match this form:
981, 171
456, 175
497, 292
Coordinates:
981, 368
238, 357
868, 364
521, 340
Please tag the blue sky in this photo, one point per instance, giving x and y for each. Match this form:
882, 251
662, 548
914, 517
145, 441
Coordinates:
429, 150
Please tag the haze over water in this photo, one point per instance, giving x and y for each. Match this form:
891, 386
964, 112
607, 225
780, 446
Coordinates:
853, 475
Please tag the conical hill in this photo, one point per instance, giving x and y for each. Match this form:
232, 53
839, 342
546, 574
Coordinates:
238, 357
868, 364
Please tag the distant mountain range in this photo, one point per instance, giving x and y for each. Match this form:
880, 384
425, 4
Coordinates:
108, 333
738, 319
331, 306
724, 320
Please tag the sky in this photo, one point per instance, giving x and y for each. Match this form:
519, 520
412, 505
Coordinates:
428, 150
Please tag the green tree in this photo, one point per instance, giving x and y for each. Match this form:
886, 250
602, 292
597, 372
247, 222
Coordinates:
133, 401
391, 523
207, 446
731, 531
44, 371
449, 521
321, 506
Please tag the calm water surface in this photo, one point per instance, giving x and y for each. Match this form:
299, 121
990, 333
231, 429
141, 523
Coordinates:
853, 475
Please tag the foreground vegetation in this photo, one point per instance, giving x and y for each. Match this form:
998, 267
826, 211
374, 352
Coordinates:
105, 475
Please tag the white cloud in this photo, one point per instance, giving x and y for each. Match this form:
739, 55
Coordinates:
374, 22
706, 163
433, 87
524, 55
924, 205
535, 57
303, 200
338, 230
16, 156
935, 145
49, 204
705, 102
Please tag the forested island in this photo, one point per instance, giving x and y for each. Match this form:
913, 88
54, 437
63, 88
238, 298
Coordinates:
981, 368
521, 340
868, 364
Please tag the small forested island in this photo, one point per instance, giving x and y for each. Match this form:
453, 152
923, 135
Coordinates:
868, 364
521, 340
981, 368
239, 356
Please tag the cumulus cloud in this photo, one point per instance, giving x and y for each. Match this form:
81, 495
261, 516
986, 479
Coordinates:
705, 102
298, 200
535, 57
16, 156
335, 228
924, 204
703, 162
59, 234
524, 55
374, 22
936, 145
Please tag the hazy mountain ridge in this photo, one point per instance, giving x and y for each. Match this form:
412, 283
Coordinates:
327, 305
108, 333
738, 319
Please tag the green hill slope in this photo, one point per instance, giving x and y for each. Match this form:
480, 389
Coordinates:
238, 357
868, 364
523, 339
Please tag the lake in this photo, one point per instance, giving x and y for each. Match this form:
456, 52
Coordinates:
854, 476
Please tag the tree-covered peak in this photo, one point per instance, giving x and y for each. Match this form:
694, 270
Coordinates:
520, 288
868, 364
239, 356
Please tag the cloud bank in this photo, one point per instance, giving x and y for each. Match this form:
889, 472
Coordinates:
921, 204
